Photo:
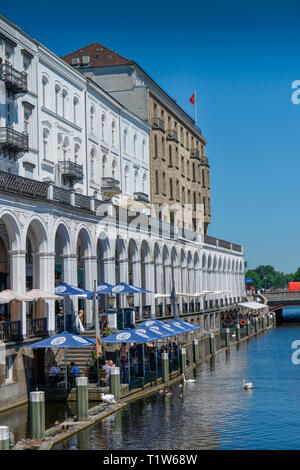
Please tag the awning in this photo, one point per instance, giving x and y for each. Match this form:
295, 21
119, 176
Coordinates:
8, 295
37, 294
252, 305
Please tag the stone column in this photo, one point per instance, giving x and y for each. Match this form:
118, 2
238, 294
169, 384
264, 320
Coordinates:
109, 270
136, 271
90, 274
70, 276
47, 283
18, 284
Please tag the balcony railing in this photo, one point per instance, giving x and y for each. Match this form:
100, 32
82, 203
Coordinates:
195, 153
110, 187
16, 82
204, 161
13, 144
142, 197
158, 123
18, 184
172, 135
121, 216
71, 171
222, 243
36, 327
10, 331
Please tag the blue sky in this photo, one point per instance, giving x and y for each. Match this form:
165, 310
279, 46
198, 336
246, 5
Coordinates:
242, 58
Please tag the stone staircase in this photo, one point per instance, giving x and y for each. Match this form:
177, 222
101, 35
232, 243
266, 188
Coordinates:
80, 356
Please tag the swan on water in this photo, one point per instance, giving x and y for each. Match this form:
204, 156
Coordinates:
188, 380
247, 385
108, 398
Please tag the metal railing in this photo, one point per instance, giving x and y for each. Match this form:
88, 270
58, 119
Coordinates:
10, 331
16, 82
20, 185
36, 327
71, 170
13, 143
82, 201
158, 123
172, 135
195, 153
61, 195
140, 196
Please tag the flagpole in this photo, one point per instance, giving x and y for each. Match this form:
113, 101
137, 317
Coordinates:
195, 107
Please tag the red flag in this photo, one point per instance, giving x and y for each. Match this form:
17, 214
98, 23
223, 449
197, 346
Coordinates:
192, 98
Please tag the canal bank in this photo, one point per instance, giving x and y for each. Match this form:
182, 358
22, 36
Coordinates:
223, 342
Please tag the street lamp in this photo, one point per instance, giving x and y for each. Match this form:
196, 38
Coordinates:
111, 301
130, 300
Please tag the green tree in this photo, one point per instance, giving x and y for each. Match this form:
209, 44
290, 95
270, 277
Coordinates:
256, 281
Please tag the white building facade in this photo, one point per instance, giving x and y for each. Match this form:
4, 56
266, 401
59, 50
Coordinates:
70, 156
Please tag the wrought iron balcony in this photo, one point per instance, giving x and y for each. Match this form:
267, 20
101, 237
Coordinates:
172, 135
195, 153
110, 187
71, 171
158, 123
142, 197
16, 82
13, 144
204, 161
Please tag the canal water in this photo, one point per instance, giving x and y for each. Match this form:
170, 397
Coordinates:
215, 412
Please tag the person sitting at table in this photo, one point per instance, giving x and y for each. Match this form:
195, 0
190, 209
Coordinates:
53, 373
75, 372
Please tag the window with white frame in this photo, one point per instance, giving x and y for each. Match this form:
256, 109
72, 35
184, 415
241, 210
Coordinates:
9, 112
125, 140
92, 164
65, 104
65, 149
75, 109
135, 181
57, 93
134, 145
27, 119
113, 168
113, 131
143, 150
126, 174
26, 63
103, 126
28, 170
76, 153
44, 91
46, 134
9, 51
92, 117
104, 166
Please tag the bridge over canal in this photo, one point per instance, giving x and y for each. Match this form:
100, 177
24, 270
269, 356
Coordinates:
277, 300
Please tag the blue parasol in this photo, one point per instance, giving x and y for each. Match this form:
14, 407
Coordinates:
65, 289
63, 340
135, 335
